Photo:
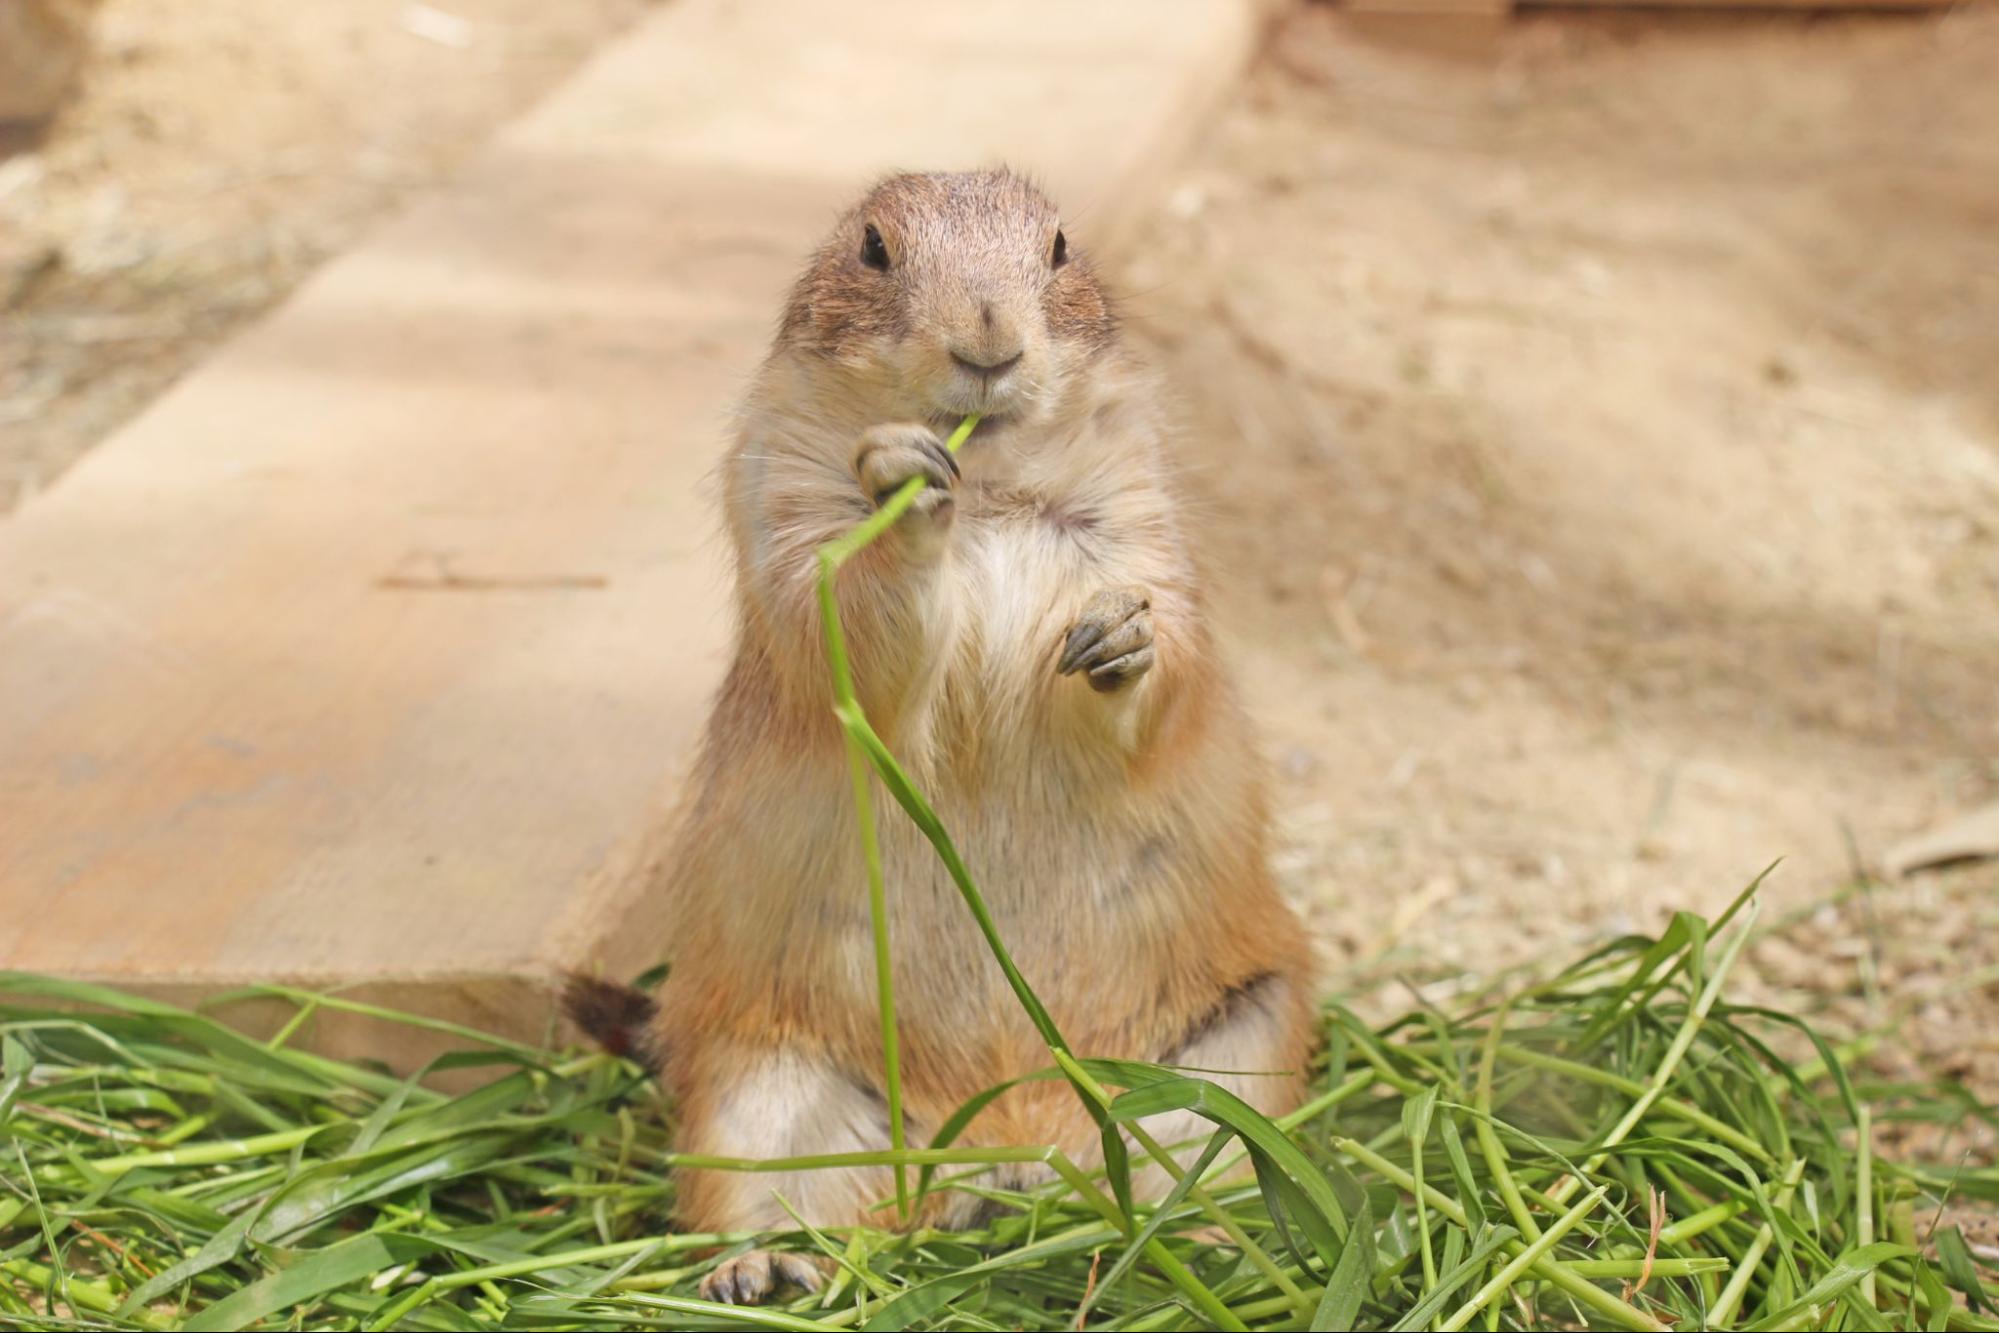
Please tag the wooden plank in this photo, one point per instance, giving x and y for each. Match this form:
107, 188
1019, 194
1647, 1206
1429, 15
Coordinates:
1469, 9
371, 653
1746, 6
1480, 10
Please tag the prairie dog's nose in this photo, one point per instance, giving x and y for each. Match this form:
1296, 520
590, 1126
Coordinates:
987, 365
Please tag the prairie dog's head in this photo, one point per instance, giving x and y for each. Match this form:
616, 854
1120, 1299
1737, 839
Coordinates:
944, 294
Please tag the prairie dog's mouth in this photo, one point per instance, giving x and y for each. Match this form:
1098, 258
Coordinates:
995, 404
961, 392
990, 424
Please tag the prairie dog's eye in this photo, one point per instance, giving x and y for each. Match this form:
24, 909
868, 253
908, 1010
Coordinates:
873, 253
1060, 255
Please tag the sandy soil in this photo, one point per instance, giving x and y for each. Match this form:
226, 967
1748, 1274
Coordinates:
1596, 439
1599, 444
215, 155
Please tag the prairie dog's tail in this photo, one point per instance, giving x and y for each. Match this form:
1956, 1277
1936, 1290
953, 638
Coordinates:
618, 1018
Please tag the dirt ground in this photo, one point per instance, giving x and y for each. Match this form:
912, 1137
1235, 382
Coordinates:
1596, 437
216, 153
1599, 445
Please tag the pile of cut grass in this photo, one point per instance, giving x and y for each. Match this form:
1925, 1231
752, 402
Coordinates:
1617, 1147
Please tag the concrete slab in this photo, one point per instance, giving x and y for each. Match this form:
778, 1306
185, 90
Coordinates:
369, 656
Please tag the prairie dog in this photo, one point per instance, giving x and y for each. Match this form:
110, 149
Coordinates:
1030, 641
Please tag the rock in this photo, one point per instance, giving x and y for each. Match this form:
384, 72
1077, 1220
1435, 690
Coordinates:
42, 45
1970, 837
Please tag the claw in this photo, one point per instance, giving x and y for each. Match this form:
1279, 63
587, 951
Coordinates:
950, 459
891, 455
1081, 639
1113, 625
750, 1279
1114, 673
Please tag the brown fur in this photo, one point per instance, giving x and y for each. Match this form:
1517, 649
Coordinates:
1118, 836
621, 1020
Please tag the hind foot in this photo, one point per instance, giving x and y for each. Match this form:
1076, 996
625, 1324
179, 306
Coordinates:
749, 1279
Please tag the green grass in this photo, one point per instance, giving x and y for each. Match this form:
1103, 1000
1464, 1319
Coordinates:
160, 1169
1614, 1147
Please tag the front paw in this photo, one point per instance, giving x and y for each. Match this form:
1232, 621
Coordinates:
888, 456
749, 1279
1111, 640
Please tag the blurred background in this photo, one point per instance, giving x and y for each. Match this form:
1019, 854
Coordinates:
1592, 416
